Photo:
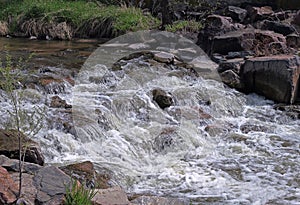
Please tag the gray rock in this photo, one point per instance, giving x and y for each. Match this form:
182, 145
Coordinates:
50, 182
293, 40
155, 200
276, 77
278, 27
164, 57
236, 13
13, 165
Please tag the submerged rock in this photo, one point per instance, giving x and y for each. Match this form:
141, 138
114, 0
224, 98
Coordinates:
162, 98
155, 200
9, 146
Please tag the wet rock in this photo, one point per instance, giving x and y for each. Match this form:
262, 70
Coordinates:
164, 140
276, 77
296, 19
8, 188
3, 28
87, 175
114, 195
57, 102
13, 165
215, 130
293, 40
277, 26
232, 79
258, 41
10, 148
155, 200
164, 57
247, 127
291, 110
259, 13
236, 13
162, 98
50, 182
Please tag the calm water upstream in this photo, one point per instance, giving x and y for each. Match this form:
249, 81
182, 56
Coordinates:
215, 145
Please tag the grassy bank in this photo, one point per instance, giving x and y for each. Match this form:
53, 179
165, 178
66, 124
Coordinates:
85, 18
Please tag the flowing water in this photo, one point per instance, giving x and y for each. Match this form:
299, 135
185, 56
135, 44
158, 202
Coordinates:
214, 145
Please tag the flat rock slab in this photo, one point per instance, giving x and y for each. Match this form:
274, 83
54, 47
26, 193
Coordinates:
275, 77
50, 181
111, 196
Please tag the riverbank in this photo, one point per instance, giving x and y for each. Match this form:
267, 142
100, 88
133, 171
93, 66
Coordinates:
65, 20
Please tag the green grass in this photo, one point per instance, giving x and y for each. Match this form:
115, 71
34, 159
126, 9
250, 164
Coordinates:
185, 26
76, 13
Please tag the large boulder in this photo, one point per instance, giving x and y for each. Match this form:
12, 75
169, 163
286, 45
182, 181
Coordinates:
50, 183
258, 41
276, 77
8, 188
215, 25
277, 26
9, 146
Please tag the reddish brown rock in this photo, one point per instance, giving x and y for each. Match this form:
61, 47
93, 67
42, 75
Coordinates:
8, 188
111, 196
10, 148
57, 102
162, 98
259, 13
276, 77
86, 174
258, 41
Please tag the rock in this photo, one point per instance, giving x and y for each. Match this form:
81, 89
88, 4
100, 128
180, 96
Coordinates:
291, 110
215, 130
162, 98
111, 196
164, 140
155, 200
3, 28
293, 40
86, 174
57, 102
164, 57
8, 188
236, 13
28, 188
259, 13
13, 165
231, 79
50, 182
296, 19
215, 25
276, 77
61, 31
258, 41
10, 148
277, 26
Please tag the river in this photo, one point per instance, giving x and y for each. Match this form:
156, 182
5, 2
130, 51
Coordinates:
214, 145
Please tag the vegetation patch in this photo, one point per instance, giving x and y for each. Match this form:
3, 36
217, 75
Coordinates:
185, 26
80, 15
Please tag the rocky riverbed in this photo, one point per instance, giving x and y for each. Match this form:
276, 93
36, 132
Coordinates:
232, 139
